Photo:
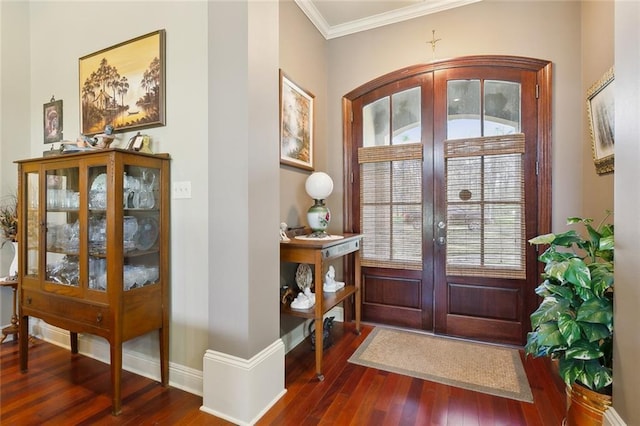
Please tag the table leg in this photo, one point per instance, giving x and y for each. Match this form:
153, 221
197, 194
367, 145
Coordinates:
73, 340
358, 284
319, 348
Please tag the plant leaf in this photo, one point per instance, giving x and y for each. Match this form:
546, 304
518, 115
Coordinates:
567, 239
549, 289
596, 310
543, 239
594, 332
569, 328
570, 369
548, 310
578, 273
583, 350
596, 375
549, 335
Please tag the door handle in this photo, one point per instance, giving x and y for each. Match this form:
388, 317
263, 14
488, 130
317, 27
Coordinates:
442, 239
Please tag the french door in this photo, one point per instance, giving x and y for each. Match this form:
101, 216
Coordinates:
447, 171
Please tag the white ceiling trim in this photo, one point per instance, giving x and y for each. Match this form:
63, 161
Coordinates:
376, 21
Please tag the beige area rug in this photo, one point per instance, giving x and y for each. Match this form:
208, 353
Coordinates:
489, 369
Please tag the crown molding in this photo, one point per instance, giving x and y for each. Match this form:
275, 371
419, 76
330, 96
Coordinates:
375, 21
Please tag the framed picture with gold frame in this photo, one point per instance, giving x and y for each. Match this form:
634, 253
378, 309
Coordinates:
600, 109
296, 124
124, 85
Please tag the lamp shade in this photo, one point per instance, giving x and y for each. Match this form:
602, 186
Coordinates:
319, 185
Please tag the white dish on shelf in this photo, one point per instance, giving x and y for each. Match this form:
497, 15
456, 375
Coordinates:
99, 183
147, 235
304, 276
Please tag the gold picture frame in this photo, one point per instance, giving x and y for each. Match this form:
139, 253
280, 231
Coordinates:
296, 124
600, 110
124, 85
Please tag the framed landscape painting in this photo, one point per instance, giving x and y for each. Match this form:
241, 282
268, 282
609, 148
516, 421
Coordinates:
600, 109
124, 85
296, 124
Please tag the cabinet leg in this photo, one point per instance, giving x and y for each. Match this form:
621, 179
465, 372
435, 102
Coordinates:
164, 355
116, 376
23, 339
73, 337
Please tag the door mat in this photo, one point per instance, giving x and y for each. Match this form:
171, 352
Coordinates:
489, 369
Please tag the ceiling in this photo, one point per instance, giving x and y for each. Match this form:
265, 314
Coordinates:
337, 18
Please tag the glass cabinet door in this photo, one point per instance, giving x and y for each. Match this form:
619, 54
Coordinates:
97, 234
62, 237
141, 226
33, 228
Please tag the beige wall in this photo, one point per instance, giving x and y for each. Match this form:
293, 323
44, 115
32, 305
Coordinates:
544, 30
597, 58
303, 58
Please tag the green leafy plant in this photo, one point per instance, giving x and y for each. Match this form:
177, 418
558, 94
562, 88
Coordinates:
574, 322
9, 218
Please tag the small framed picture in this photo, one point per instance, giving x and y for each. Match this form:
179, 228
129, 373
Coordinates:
135, 143
52, 121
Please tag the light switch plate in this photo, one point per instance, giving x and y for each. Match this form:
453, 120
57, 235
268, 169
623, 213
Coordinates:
181, 190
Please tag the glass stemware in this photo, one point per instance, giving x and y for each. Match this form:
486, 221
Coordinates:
144, 198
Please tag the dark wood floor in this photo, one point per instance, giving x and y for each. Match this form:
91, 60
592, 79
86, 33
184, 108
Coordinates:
61, 389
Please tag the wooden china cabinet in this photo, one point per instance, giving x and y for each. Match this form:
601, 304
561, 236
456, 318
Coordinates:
94, 249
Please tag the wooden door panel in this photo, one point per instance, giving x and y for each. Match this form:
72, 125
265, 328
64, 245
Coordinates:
396, 297
485, 301
487, 329
392, 291
484, 309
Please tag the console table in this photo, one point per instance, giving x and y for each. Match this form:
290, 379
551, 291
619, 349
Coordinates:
13, 328
319, 252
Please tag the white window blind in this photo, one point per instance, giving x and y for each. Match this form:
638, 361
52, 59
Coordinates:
391, 206
485, 206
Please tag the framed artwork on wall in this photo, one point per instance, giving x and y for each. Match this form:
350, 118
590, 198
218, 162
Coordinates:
296, 124
52, 121
600, 109
124, 85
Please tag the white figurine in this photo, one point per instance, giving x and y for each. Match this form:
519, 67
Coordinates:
330, 283
304, 300
283, 232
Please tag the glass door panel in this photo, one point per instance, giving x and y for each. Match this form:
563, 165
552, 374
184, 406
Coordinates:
376, 120
141, 226
463, 109
501, 108
63, 226
97, 234
407, 116
33, 229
